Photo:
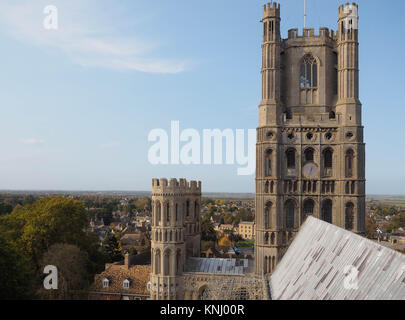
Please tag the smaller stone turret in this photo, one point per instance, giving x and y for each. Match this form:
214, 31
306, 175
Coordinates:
175, 234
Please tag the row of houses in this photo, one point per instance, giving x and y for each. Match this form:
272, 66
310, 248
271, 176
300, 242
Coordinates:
246, 230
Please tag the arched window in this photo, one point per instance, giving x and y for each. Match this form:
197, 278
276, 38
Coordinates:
267, 215
327, 162
309, 205
332, 115
328, 158
349, 163
177, 212
266, 187
166, 264
188, 208
290, 154
168, 212
196, 209
349, 216
309, 72
327, 210
289, 214
179, 265
347, 187
268, 163
309, 155
158, 212
157, 262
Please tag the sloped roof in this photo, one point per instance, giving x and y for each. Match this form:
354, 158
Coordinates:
217, 266
138, 277
322, 262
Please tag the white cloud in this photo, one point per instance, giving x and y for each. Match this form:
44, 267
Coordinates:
110, 145
32, 141
85, 36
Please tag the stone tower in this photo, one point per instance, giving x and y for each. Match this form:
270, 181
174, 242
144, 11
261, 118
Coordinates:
310, 151
175, 234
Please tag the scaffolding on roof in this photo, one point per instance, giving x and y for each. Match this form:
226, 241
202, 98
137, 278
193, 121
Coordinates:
247, 287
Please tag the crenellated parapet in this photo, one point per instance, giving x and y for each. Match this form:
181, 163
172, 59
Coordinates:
165, 187
308, 33
324, 36
271, 10
348, 9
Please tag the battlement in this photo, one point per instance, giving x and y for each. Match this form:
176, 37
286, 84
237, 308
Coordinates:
309, 33
348, 9
271, 10
164, 185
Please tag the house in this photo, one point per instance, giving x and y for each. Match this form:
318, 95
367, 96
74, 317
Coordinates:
247, 230
122, 281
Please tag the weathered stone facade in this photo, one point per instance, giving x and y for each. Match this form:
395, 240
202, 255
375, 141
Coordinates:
310, 150
176, 207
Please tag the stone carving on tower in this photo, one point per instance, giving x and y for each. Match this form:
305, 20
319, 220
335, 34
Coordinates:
310, 151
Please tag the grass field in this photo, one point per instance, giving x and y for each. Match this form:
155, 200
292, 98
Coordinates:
398, 201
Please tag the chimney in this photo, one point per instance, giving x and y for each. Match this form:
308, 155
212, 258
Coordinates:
127, 260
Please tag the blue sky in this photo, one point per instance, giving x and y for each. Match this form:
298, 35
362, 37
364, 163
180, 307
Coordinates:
77, 104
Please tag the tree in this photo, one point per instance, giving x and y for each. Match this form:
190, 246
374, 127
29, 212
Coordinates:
224, 242
207, 230
371, 227
33, 229
142, 204
132, 251
16, 278
112, 248
398, 221
5, 208
205, 245
71, 264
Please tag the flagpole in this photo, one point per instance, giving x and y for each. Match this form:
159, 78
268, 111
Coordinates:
305, 13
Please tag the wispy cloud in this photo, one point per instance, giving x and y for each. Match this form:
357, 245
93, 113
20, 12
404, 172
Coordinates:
83, 36
110, 145
32, 141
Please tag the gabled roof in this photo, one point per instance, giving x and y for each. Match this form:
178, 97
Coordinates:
138, 276
322, 263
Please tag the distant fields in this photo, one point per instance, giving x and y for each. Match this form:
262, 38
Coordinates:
398, 201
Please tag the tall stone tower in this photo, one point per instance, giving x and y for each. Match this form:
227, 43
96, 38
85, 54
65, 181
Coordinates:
175, 234
310, 151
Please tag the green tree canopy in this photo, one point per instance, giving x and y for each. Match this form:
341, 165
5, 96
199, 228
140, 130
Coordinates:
33, 229
16, 279
207, 230
112, 248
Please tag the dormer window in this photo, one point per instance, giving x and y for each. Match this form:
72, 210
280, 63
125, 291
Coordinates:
106, 283
126, 284
148, 285
309, 72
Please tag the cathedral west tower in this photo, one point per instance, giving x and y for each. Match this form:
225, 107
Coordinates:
310, 150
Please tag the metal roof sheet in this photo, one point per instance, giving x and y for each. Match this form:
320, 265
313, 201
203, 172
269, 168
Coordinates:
217, 265
327, 262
